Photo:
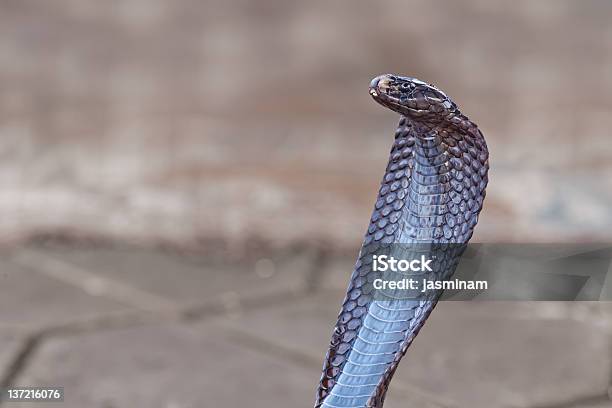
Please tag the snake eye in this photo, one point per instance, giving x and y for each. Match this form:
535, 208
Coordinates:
405, 85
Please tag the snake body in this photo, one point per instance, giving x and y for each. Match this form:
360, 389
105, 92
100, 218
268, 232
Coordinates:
431, 193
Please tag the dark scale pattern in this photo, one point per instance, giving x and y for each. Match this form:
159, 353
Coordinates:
431, 193
382, 230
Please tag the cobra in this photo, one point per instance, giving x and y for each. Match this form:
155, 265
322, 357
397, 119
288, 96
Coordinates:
431, 193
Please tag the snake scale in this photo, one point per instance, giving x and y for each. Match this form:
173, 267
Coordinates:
432, 192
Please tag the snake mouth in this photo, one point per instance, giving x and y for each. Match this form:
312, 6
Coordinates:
379, 86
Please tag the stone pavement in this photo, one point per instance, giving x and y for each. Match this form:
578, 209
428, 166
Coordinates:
119, 326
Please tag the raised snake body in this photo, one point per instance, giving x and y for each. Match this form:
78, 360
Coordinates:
432, 192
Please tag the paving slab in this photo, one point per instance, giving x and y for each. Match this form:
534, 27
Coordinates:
166, 366
187, 366
11, 343
497, 358
190, 279
599, 404
29, 299
472, 354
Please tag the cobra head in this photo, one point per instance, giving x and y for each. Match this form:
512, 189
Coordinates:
412, 98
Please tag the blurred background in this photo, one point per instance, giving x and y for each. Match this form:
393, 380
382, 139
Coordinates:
184, 187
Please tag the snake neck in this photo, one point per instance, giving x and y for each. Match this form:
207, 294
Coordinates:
446, 166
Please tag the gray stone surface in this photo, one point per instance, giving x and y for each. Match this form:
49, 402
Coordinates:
167, 366
594, 404
468, 354
476, 359
175, 366
269, 353
189, 279
11, 344
30, 300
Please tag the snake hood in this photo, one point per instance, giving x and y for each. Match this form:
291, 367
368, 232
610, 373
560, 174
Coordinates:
412, 98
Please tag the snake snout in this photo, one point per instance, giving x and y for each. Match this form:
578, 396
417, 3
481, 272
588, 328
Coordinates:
379, 85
